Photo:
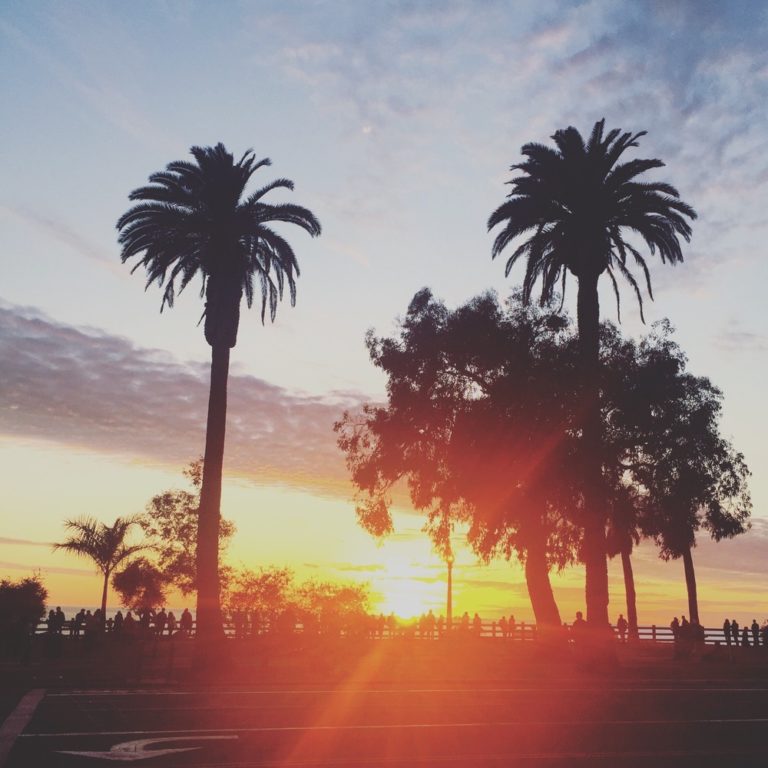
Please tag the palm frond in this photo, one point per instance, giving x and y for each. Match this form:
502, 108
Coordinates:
188, 215
569, 205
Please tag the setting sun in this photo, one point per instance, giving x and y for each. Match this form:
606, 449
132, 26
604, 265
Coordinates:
409, 588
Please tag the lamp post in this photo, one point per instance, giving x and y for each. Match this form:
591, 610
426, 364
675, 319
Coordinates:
449, 597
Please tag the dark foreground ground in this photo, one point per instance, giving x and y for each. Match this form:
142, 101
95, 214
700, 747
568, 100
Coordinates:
400, 704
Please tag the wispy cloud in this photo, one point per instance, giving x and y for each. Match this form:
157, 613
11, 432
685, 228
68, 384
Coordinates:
83, 387
62, 233
735, 338
694, 77
107, 96
24, 542
45, 569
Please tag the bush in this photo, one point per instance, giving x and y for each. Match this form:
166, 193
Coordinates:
22, 606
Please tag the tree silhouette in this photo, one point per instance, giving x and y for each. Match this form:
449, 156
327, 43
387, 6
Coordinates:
574, 206
273, 600
141, 585
170, 526
22, 606
692, 478
104, 544
477, 423
193, 219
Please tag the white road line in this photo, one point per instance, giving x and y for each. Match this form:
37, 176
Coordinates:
391, 691
16, 722
394, 726
510, 758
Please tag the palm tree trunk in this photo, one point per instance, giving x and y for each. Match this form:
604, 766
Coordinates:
629, 590
539, 586
104, 599
595, 556
690, 583
208, 599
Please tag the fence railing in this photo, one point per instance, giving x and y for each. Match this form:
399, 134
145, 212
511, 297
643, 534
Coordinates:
491, 630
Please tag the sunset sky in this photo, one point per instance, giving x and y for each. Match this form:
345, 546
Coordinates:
398, 122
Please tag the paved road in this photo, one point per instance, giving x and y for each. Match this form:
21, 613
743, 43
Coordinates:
569, 723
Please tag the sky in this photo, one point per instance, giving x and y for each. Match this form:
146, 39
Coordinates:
398, 123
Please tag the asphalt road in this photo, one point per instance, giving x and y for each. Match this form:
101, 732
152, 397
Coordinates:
638, 722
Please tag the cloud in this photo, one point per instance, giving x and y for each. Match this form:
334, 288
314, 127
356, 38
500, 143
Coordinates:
693, 74
24, 542
83, 387
45, 569
736, 339
100, 80
737, 564
65, 235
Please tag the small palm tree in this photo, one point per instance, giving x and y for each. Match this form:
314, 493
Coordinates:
193, 219
103, 544
573, 206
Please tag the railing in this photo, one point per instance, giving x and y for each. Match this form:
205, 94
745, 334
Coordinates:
520, 632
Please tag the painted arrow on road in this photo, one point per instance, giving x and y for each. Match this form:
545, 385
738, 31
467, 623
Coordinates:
127, 751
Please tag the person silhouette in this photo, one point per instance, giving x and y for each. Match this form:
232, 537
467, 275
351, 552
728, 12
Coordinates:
60, 620
727, 632
160, 620
622, 625
735, 631
755, 633
185, 622
745, 637
430, 622
578, 627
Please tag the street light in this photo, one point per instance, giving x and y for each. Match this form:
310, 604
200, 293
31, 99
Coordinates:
449, 598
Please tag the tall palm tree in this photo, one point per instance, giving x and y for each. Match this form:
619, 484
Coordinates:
193, 219
103, 544
573, 205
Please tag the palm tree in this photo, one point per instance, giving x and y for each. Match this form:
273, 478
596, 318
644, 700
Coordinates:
102, 543
574, 205
193, 219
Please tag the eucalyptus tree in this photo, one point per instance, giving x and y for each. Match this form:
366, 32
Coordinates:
573, 208
476, 423
169, 523
690, 476
196, 219
105, 545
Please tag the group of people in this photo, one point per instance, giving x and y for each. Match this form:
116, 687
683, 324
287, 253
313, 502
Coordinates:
690, 636
733, 637
431, 627
146, 623
428, 626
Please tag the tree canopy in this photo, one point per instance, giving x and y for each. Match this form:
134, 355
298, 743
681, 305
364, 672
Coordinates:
170, 526
482, 423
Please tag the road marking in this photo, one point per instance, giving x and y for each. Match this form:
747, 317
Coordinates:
391, 726
310, 691
17, 721
509, 758
130, 751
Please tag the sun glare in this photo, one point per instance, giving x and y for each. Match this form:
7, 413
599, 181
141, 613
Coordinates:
408, 588
406, 604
